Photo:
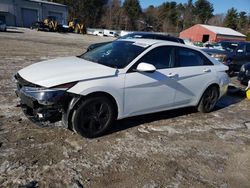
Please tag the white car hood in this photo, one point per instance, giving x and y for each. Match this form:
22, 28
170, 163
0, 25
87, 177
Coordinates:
64, 70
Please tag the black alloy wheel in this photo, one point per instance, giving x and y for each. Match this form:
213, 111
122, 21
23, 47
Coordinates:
208, 100
93, 116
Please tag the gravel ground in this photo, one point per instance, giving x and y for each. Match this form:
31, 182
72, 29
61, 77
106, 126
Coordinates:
179, 148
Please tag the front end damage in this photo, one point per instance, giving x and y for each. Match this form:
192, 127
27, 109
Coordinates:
42, 104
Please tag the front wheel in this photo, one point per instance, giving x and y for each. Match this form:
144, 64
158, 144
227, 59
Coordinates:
93, 116
208, 100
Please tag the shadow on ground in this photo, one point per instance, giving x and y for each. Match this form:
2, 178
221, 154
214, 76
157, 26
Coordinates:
127, 123
234, 95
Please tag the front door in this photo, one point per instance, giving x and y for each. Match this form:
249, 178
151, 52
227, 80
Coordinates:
150, 92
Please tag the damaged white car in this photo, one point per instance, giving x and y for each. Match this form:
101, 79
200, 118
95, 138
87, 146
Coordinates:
121, 79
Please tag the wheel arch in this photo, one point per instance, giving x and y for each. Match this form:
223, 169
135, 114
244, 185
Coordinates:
209, 85
76, 100
108, 95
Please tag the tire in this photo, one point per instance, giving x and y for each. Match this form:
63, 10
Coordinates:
93, 116
208, 100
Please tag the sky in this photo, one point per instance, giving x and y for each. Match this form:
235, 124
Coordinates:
220, 6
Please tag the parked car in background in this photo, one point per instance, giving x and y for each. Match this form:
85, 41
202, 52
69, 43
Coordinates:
39, 26
244, 74
108, 33
125, 78
141, 35
98, 33
233, 54
3, 26
226, 45
219, 55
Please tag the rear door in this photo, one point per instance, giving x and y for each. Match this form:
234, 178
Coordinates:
194, 72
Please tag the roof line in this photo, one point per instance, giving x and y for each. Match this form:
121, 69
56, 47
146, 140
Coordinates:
222, 30
47, 2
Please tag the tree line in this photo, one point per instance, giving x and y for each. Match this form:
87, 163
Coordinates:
169, 17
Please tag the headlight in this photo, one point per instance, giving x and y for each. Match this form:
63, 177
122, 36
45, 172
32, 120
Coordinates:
219, 57
242, 69
65, 86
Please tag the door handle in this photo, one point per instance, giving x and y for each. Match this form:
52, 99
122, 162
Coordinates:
171, 75
207, 70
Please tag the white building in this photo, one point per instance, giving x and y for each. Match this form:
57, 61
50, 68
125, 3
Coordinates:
23, 13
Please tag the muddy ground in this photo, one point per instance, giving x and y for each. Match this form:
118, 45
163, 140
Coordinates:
180, 148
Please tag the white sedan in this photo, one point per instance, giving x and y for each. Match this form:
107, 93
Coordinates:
121, 79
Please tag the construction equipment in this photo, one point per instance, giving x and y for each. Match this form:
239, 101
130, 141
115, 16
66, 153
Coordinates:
248, 90
51, 23
76, 26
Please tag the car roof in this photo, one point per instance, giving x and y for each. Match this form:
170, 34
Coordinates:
156, 41
150, 42
150, 33
159, 36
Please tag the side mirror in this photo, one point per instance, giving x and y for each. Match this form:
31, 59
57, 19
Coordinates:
145, 67
240, 51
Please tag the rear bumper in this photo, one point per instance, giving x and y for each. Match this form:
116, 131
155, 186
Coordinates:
223, 83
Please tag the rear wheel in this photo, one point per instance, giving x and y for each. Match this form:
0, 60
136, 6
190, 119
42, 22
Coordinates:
93, 116
208, 99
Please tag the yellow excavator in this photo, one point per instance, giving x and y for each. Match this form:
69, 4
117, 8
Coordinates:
76, 26
51, 23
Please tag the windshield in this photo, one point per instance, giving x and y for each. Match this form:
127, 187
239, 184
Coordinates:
117, 54
228, 46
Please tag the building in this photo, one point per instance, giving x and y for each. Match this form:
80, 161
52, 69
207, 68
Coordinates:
23, 13
204, 33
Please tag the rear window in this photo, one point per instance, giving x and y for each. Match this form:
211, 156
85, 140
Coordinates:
187, 57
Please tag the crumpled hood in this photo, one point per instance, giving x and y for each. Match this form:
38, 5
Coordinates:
64, 70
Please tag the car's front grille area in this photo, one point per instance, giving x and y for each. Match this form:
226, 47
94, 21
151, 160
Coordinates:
22, 82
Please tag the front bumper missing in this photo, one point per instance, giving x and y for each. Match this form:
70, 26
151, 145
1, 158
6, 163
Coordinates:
41, 103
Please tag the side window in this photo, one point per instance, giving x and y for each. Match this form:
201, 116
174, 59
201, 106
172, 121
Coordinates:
161, 57
187, 57
248, 48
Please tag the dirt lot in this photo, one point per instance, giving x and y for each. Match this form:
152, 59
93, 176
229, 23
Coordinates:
180, 148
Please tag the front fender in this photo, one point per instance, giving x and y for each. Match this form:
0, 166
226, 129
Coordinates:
116, 94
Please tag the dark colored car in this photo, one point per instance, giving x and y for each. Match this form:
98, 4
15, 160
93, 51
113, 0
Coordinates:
39, 26
143, 35
244, 74
233, 54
